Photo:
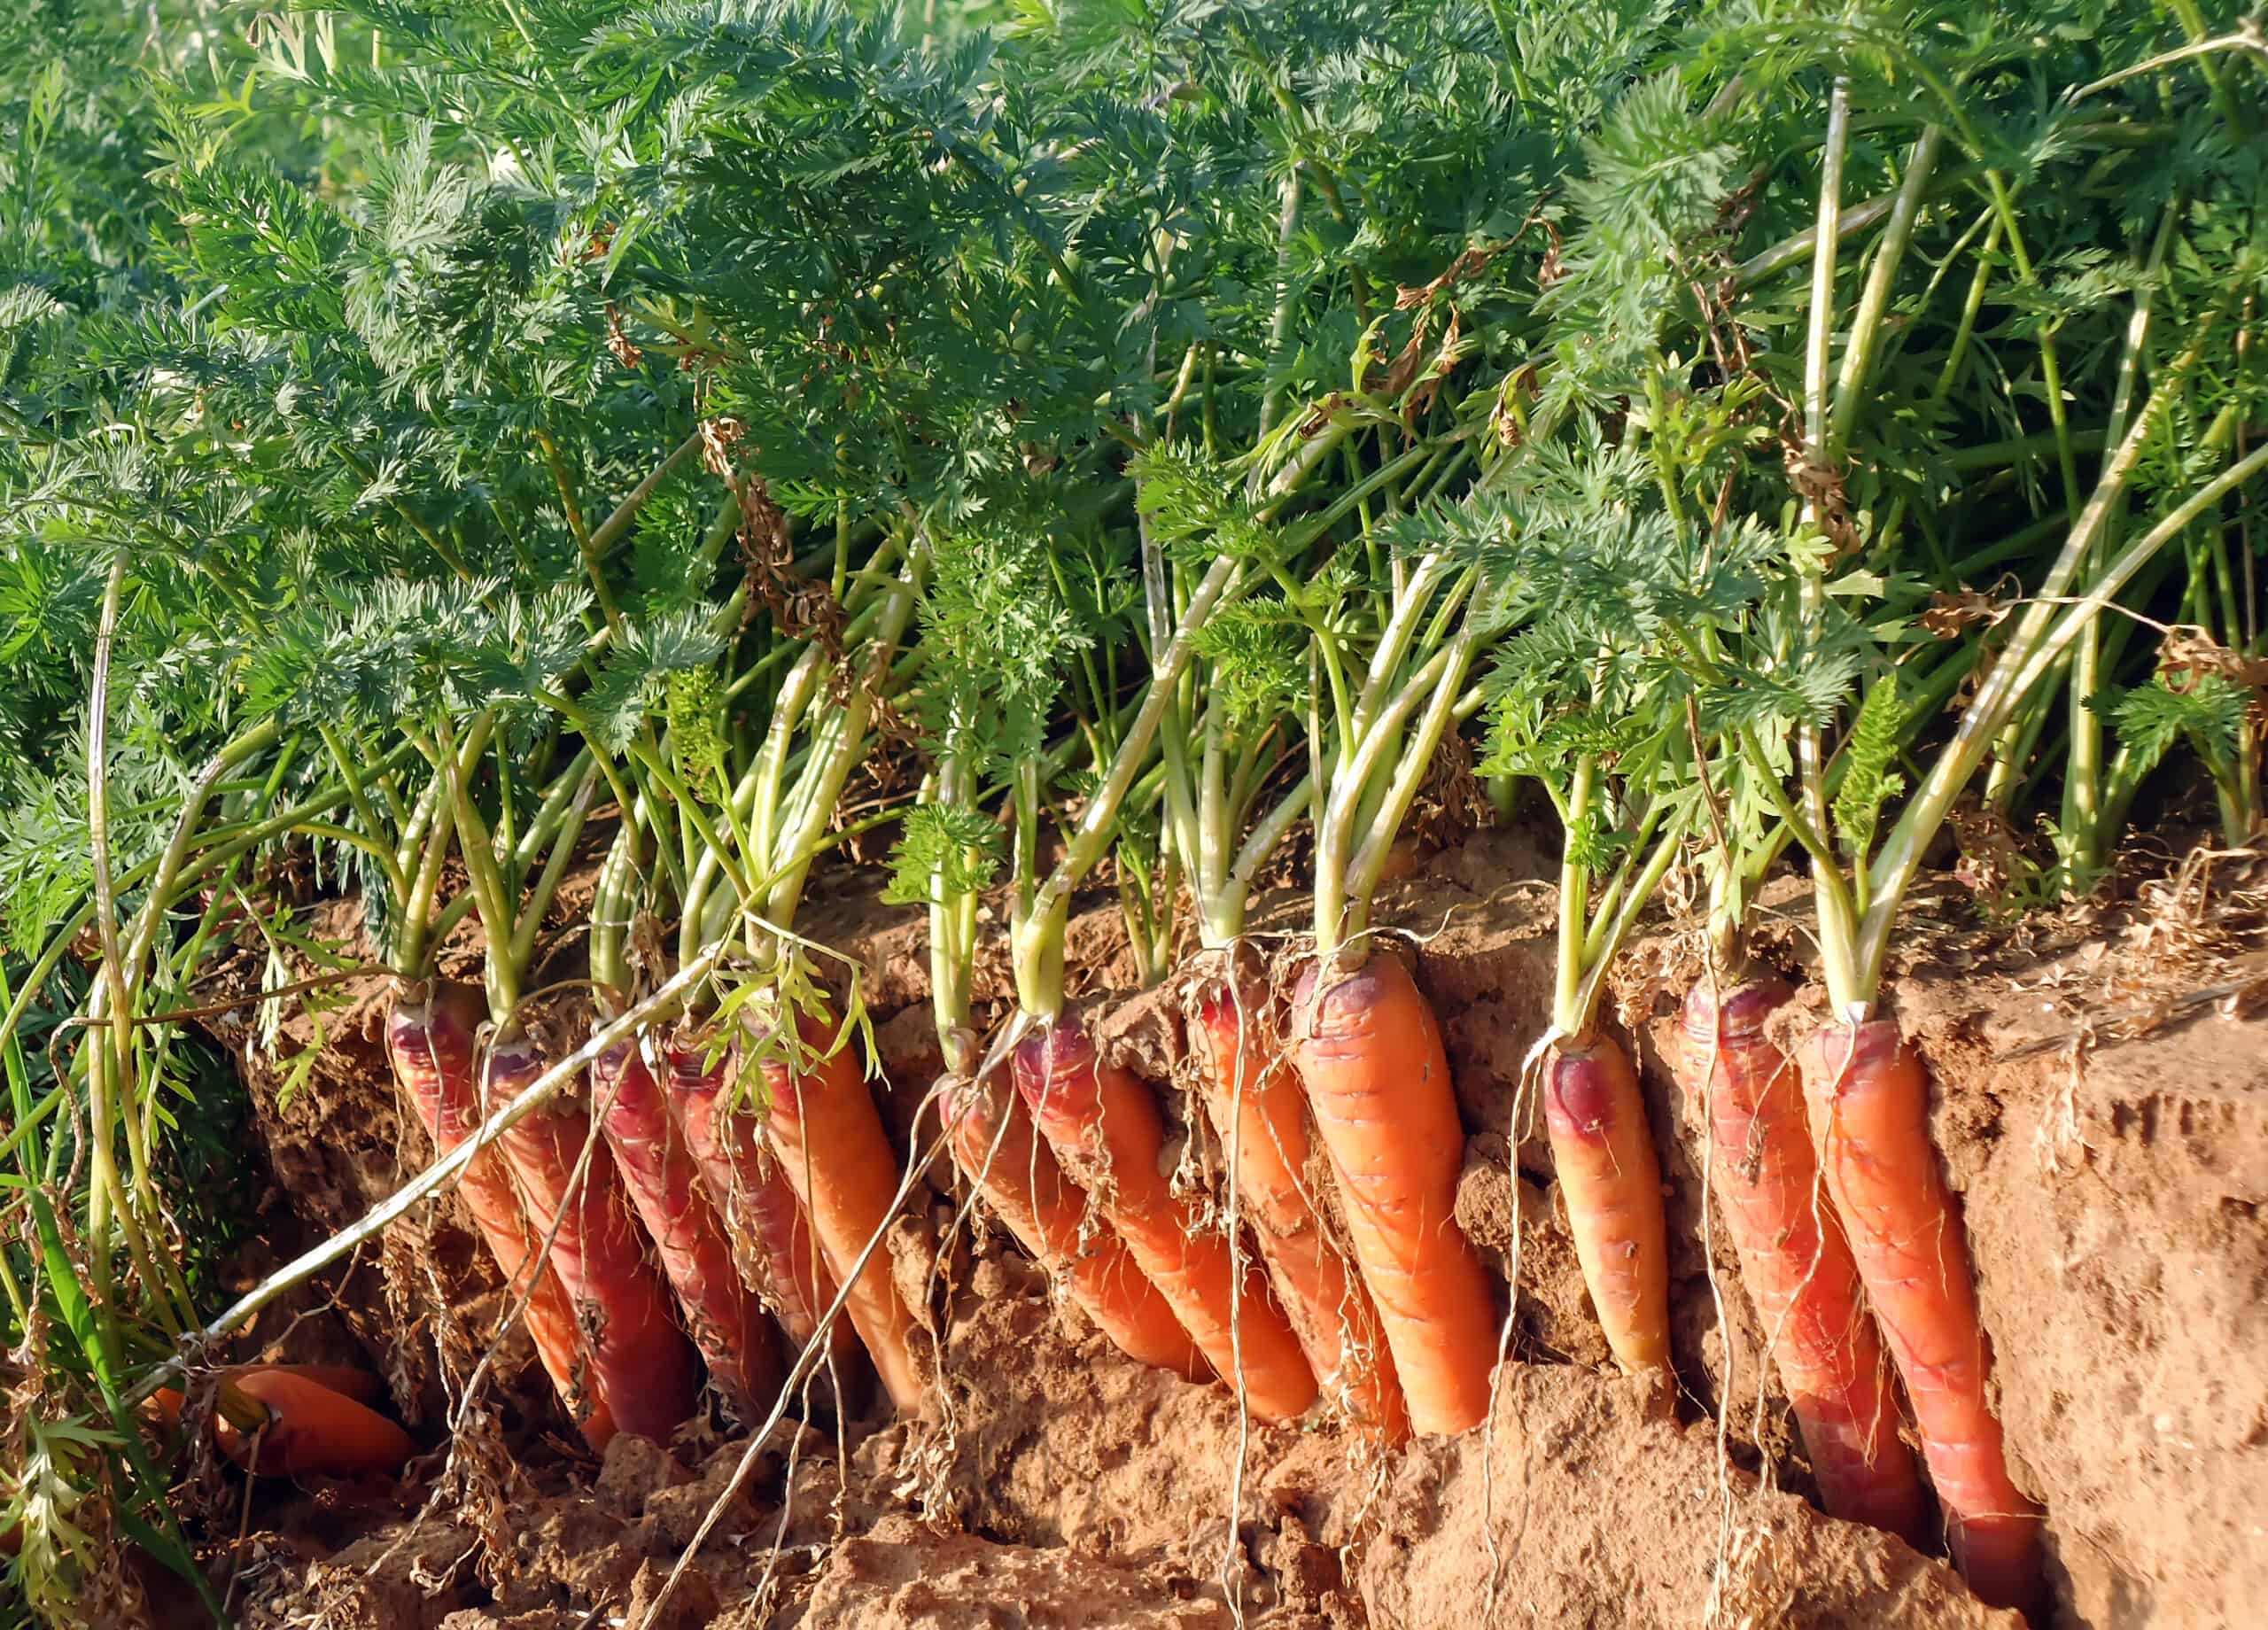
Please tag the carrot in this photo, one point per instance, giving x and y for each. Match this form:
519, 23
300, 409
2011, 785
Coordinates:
1794, 1259
640, 1361
725, 1319
347, 1380
1105, 1130
763, 1221
1604, 1159
1869, 1098
993, 1144
431, 1044
1253, 1102
1369, 1051
307, 1427
834, 1155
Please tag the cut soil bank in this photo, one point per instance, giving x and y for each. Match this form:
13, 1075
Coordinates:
2111, 1197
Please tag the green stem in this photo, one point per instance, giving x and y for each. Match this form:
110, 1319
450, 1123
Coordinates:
2036, 648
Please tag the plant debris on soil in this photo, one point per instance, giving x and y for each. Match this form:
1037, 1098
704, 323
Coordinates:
2102, 1108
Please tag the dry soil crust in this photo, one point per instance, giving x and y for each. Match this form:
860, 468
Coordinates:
2112, 1204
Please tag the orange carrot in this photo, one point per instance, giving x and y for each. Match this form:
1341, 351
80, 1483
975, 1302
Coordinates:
431, 1044
1794, 1259
638, 1359
1254, 1101
1605, 1159
1369, 1051
1104, 1127
993, 1146
727, 1319
307, 1427
1869, 1098
834, 1155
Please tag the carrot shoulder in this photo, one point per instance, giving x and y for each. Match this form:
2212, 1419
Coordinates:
1255, 1104
993, 1144
1603, 1157
431, 1044
1106, 1128
1369, 1051
1868, 1099
833, 1152
1794, 1259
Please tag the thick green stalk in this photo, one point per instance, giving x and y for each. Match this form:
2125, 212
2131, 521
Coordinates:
2082, 835
1838, 953
1864, 338
1043, 911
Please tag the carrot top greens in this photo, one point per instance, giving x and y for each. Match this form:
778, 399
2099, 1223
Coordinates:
445, 450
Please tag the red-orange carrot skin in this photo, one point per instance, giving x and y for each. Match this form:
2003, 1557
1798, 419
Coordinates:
727, 1319
1869, 1098
993, 1144
835, 1156
1604, 1159
640, 1358
431, 1044
762, 1215
1105, 1126
310, 1429
347, 1380
1794, 1260
1369, 1051
1256, 1110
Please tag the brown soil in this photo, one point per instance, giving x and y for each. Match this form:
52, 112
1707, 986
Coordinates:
2112, 1199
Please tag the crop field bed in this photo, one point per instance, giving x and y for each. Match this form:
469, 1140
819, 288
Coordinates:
1398, 814
2113, 1185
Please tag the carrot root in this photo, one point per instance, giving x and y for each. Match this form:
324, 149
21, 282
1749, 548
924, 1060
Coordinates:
1795, 1261
430, 1043
640, 1359
1105, 1130
993, 1144
1369, 1050
310, 1429
1255, 1104
836, 1157
724, 1319
1608, 1173
1868, 1100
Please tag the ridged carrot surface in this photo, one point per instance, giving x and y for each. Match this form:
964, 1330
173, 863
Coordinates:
1369, 1050
1869, 1098
1255, 1103
1794, 1259
723, 1317
638, 1358
993, 1143
1105, 1130
431, 1045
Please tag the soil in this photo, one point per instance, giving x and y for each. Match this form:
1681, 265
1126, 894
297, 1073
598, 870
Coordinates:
2107, 1136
